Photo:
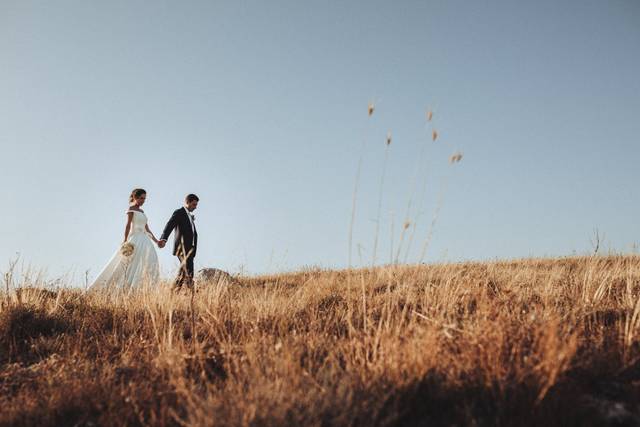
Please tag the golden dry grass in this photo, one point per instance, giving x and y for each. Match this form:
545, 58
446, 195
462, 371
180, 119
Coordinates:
525, 342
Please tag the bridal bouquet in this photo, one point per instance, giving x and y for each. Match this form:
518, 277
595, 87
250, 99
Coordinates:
127, 249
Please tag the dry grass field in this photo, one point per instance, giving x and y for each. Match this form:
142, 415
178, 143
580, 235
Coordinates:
526, 342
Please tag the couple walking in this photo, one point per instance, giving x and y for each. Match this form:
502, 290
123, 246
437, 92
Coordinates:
136, 261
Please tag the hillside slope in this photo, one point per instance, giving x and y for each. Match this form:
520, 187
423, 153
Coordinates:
526, 342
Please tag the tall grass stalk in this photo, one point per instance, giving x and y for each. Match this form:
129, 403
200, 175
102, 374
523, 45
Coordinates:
414, 225
370, 110
380, 192
432, 225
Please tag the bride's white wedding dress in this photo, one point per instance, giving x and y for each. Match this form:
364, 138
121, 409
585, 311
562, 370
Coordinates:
140, 268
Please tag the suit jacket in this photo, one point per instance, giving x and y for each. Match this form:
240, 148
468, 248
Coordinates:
184, 235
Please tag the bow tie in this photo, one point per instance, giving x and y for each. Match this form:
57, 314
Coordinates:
193, 217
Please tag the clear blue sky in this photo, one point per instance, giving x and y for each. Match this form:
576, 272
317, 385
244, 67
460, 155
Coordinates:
260, 108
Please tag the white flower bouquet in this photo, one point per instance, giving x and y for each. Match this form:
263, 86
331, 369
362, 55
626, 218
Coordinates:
127, 249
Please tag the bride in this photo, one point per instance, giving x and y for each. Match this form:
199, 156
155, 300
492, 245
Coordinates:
135, 263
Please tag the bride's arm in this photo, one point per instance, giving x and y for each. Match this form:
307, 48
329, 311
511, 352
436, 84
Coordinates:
127, 228
151, 234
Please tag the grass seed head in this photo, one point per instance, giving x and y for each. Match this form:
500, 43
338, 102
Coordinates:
434, 135
388, 138
429, 115
455, 158
371, 109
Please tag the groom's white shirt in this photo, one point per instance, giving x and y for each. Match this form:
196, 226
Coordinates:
193, 227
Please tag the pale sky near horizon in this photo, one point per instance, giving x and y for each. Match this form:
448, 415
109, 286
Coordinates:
260, 108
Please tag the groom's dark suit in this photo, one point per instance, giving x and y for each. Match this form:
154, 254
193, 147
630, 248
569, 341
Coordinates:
185, 242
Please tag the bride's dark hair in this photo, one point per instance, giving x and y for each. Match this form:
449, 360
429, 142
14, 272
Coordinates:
137, 192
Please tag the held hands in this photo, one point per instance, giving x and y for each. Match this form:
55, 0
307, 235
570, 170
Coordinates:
161, 243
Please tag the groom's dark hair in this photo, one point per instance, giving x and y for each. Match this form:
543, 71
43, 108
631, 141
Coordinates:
190, 198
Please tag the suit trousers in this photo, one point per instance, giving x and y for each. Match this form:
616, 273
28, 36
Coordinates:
185, 274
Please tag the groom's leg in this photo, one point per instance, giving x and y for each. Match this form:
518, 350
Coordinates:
189, 278
180, 279
185, 274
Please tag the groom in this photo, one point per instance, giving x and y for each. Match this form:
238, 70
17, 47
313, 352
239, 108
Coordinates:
186, 239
